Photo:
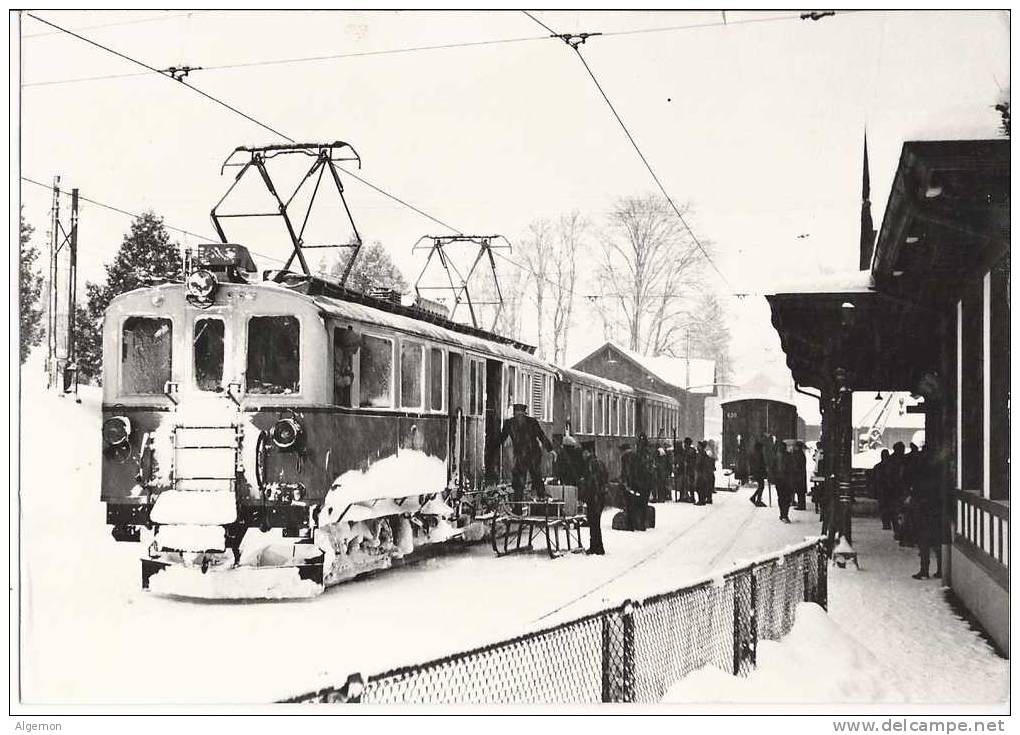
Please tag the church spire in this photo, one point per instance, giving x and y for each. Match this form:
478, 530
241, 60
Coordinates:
867, 225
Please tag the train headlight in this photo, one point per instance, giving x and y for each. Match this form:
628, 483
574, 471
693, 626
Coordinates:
116, 431
201, 286
286, 433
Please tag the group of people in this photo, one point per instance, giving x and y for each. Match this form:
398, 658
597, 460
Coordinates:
783, 466
694, 471
906, 486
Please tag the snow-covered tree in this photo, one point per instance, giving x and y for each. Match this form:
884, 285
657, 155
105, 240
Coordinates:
709, 335
373, 269
30, 293
146, 255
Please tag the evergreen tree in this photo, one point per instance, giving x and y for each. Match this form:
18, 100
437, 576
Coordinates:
146, 255
373, 269
710, 335
30, 293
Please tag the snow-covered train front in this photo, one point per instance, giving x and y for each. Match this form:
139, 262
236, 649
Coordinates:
268, 438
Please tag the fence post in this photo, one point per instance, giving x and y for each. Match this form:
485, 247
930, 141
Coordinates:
823, 582
754, 618
627, 689
737, 642
806, 562
607, 660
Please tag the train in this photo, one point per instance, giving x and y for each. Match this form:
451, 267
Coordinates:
749, 417
267, 438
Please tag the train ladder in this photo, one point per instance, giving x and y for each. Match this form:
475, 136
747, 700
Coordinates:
207, 458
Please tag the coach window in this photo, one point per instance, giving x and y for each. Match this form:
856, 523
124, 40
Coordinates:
346, 342
375, 384
146, 349
411, 365
434, 378
511, 385
575, 410
208, 348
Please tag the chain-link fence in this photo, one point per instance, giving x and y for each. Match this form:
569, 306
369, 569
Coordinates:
630, 653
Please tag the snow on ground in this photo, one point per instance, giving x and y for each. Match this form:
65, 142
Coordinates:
91, 635
887, 638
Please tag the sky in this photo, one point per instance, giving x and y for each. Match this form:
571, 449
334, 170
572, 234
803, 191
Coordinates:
757, 123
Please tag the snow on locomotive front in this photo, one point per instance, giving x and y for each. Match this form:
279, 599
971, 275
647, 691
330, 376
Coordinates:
252, 442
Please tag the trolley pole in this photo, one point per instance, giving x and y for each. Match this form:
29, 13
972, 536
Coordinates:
70, 377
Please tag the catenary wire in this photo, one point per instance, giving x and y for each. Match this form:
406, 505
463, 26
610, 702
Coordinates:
303, 59
118, 210
157, 71
641, 155
116, 23
361, 179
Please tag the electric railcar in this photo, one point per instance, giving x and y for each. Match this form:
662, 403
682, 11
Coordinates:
265, 439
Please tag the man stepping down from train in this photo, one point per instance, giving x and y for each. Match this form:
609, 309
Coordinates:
528, 441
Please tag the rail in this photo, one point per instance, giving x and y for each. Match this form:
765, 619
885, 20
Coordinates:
982, 527
630, 653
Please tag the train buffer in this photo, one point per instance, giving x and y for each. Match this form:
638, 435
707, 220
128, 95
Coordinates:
554, 522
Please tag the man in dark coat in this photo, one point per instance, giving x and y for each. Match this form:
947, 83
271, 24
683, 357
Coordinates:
593, 492
757, 468
896, 483
678, 470
924, 511
799, 474
528, 441
879, 484
705, 474
690, 469
661, 461
782, 480
638, 477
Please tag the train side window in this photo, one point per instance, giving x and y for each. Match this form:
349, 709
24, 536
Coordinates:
575, 410
435, 379
375, 389
345, 342
589, 412
146, 352
412, 364
511, 385
208, 348
274, 363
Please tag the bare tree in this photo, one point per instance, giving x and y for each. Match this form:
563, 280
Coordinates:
513, 283
707, 335
570, 232
537, 256
649, 271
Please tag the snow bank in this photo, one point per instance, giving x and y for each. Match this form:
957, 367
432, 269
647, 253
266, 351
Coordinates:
410, 472
211, 508
267, 583
818, 662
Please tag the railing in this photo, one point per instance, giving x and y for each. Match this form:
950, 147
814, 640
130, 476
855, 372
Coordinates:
982, 527
630, 653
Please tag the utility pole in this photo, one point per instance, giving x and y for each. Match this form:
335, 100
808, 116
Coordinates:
61, 364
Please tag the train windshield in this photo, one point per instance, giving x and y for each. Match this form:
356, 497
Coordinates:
208, 346
274, 364
146, 351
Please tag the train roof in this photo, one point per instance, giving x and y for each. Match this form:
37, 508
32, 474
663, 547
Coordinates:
597, 381
757, 397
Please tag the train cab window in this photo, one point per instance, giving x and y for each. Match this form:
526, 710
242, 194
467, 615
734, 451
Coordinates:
435, 379
376, 365
411, 365
208, 348
274, 363
146, 350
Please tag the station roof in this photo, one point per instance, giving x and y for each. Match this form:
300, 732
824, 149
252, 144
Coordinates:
946, 218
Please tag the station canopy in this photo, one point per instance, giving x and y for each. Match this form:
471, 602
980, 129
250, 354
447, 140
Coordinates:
946, 218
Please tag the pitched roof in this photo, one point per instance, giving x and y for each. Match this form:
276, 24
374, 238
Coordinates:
695, 375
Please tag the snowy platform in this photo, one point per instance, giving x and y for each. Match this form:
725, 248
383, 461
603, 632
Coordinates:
91, 635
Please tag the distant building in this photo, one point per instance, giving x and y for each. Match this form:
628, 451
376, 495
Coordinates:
689, 381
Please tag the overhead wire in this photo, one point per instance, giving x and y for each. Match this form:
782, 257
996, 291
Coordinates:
644, 159
163, 74
304, 59
230, 107
104, 205
133, 21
